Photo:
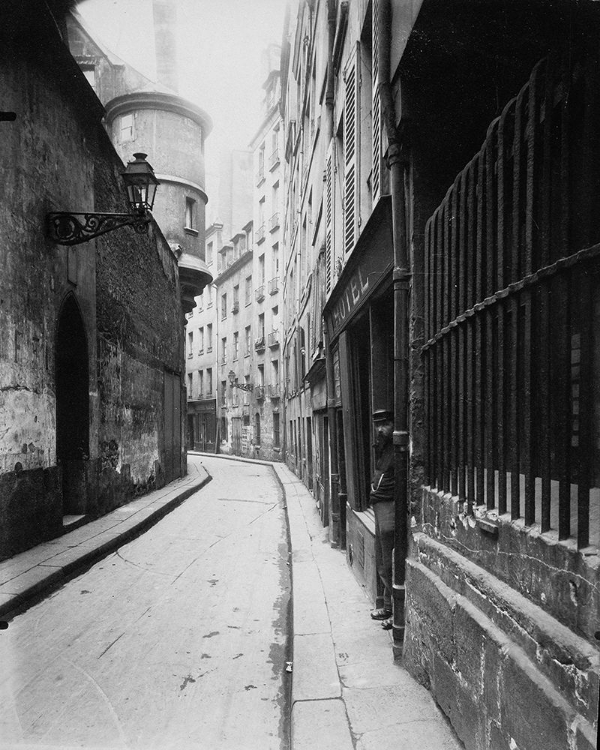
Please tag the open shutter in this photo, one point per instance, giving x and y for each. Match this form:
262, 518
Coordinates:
329, 219
351, 154
376, 175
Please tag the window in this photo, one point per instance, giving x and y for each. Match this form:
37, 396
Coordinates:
190, 383
223, 392
200, 299
276, 438
200, 340
261, 269
200, 383
209, 382
236, 296
190, 351
248, 341
261, 375
210, 295
224, 350
209, 254
248, 295
190, 213
126, 128
275, 260
261, 325
236, 344
209, 338
275, 372
223, 306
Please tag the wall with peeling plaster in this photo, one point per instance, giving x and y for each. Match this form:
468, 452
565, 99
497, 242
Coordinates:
56, 157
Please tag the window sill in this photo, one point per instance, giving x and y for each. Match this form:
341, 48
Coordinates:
190, 231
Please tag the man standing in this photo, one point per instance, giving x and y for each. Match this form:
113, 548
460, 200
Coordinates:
382, 500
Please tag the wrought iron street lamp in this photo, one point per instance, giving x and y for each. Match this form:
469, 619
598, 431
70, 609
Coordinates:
241, 386
68, 228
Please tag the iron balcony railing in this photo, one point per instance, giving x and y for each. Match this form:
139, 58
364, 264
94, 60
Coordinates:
259, 392
260, 293
274, 285
273, 339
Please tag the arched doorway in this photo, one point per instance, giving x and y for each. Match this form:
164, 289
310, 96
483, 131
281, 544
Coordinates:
72, 407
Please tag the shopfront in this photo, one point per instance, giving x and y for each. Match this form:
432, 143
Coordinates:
359, 319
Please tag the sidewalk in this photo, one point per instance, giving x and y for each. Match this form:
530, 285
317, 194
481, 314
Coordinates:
30, 575
347, 692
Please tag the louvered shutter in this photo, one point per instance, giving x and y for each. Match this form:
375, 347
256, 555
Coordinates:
329, 219
376, 175
351, 154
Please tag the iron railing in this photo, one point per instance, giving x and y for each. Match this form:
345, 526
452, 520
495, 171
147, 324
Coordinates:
512, 258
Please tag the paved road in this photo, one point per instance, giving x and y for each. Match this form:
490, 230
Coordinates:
177, 641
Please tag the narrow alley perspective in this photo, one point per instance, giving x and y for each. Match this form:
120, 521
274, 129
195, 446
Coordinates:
300, 375
192, 636
176, 640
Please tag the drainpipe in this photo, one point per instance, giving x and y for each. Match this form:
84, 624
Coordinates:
334, 499
402, 280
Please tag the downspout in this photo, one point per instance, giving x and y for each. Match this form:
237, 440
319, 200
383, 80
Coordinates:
334, 520
402, 280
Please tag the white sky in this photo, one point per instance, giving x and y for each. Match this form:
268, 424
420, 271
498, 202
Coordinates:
219, 48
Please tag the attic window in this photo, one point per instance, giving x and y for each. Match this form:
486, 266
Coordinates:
126, 133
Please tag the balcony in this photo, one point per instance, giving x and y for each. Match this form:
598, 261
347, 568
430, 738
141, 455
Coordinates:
273, 339
200, 352
274, 391
274, 159
223, 359
260, 234
274, 285
236, 308
274, 222
260, 177
259, 392
260, 293
259, 344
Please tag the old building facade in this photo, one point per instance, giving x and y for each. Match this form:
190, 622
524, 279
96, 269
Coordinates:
92, 335
441, 163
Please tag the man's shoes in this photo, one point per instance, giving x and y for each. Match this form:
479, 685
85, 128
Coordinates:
388, 624
381, 614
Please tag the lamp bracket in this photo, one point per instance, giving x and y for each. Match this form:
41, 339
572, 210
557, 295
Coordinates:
243, 386
66, 228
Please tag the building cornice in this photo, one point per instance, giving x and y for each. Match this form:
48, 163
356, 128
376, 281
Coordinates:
162, 101
181, 181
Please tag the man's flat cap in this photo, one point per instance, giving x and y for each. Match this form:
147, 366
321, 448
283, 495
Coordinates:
383, 415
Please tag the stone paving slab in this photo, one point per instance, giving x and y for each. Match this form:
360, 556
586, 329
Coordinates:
315, 675
321, 725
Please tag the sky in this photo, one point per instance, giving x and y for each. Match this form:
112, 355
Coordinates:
219, 55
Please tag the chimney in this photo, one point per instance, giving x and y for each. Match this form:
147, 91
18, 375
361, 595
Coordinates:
165, 24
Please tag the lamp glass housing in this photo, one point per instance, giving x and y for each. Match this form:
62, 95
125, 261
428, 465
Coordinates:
141, 184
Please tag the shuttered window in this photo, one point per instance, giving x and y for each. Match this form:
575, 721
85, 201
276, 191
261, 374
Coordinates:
351, 154
377, 150
329, 219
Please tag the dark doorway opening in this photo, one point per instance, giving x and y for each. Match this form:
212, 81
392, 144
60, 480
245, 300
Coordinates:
72, 407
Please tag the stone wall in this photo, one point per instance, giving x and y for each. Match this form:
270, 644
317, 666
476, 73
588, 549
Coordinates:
58, 157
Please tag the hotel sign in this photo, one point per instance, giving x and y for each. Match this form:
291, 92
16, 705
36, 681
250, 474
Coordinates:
355, 286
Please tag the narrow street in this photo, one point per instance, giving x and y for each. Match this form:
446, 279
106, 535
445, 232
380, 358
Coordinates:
178, 640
